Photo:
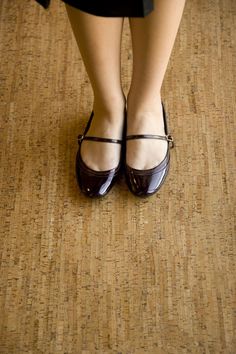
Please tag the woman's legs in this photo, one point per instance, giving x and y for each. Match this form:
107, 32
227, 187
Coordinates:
152, 39
99, 41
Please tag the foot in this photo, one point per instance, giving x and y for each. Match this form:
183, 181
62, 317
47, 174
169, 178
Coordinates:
106, 123
143, 154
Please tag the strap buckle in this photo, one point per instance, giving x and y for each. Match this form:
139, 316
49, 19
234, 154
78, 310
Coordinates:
170, 139
80, 138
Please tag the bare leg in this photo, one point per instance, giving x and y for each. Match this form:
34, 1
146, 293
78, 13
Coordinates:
99, 40
152, 39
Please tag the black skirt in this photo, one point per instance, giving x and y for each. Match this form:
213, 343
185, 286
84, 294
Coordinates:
109, 8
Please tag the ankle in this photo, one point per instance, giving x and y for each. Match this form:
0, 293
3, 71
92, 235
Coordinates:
110, 108
145, 118
143, 106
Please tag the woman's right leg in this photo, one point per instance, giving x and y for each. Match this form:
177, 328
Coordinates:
99, 42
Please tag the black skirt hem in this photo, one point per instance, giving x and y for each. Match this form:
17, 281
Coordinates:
141, 9
101, 11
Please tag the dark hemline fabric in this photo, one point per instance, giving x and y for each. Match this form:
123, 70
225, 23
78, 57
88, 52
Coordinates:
108, 8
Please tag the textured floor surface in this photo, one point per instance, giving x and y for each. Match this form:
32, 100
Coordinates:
119, 274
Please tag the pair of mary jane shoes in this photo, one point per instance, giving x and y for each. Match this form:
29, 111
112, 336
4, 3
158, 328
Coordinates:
141, 183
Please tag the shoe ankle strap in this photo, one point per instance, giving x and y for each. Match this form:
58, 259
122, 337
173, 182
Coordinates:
168, 137
81, 137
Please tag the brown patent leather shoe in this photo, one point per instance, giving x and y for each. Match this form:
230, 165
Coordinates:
95, 183
144, 183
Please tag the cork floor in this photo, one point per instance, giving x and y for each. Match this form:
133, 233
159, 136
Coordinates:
119, 274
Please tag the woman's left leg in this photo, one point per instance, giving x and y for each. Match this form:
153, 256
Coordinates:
152, 39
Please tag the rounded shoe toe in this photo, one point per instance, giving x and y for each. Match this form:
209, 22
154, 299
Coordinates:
94, 183
144, 183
